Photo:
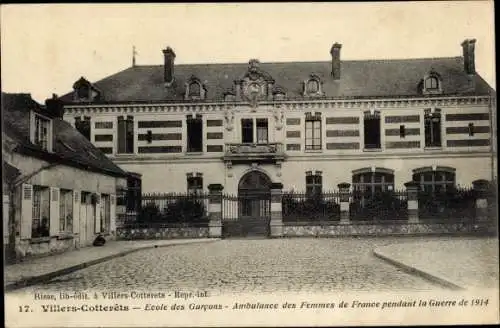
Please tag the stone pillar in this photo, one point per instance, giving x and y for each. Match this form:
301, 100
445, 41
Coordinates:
276, 224
215, 210
344, 195
480, 189
412, 193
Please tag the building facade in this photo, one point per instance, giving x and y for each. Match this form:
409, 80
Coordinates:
59, 190
375, 124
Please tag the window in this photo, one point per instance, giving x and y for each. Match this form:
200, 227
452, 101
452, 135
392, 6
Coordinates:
314, 184
194, 90
438, 180
471, 129
83, 92
83, 126
432, 83
262, 133
312, 86
105, 213
246, 130
402, 132
125, 135
194, 134
372, 130
313, 132
149, 136
370, 182
40, 212
42, 128
432, 128
66, 211
195, 184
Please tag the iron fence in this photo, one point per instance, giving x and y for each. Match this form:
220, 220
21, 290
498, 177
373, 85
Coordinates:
380, 207
455, 204
167, 208
324, 206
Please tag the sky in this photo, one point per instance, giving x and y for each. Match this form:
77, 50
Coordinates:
46, 47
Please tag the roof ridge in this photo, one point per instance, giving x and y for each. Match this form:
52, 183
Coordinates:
303, 62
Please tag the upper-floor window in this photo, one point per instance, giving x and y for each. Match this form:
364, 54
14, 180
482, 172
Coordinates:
259, 126
435, 180
432, 83
83, 126
194, 133
432, 128
194, 89
42, 132
125, 135
313, 132
372, 130
312, 86
314, 183
471, 129
262, 131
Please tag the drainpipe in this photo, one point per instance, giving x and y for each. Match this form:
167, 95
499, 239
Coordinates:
11, 249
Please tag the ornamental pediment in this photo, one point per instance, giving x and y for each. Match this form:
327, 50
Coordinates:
255, 85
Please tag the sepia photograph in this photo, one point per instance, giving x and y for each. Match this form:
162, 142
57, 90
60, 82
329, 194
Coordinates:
239, 164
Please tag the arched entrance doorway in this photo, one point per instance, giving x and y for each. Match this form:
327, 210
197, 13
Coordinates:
254, 204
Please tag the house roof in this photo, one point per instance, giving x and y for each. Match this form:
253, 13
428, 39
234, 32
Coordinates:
69, 146
359, 78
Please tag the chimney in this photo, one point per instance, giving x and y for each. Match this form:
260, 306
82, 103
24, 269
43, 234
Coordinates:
335, 52
55, 106
168, 75
468, 47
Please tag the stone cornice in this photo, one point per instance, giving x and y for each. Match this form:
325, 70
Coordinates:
306, 104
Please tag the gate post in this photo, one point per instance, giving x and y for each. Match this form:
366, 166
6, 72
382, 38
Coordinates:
344, 196
215, 210
480, 188
412, 194
276, 223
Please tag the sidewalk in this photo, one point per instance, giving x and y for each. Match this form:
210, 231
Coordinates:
456, 263
34, 271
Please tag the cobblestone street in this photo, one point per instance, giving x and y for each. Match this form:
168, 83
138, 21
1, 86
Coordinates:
246, 265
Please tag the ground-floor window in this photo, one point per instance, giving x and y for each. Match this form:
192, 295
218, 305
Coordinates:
195, 183
314, 183
371, 182
66, 211
40, 226
438, 180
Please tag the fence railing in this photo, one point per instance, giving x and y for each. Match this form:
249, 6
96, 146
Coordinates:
382, 206
311, 207
451, 204
190, 208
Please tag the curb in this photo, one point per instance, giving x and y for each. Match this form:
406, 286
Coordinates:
419, 272
25, 282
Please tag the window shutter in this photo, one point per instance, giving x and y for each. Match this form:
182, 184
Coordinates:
54, 211
112, 214
26, 210
97, 227
76, 211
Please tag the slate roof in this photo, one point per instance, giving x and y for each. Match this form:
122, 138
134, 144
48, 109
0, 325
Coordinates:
69, 146
359, 79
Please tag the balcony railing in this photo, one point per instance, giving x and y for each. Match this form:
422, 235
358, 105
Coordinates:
254, 151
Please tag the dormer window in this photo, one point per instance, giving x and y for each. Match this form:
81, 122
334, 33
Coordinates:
85, 91
432, 83
312, 86
41, 131
194, 89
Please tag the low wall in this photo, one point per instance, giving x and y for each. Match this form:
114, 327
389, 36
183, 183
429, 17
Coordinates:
126, 233
44, 246
337, 230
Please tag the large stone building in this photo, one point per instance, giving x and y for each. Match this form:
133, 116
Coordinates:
59, 191
375, 124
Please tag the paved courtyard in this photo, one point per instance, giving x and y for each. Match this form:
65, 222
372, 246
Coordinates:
249, 265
